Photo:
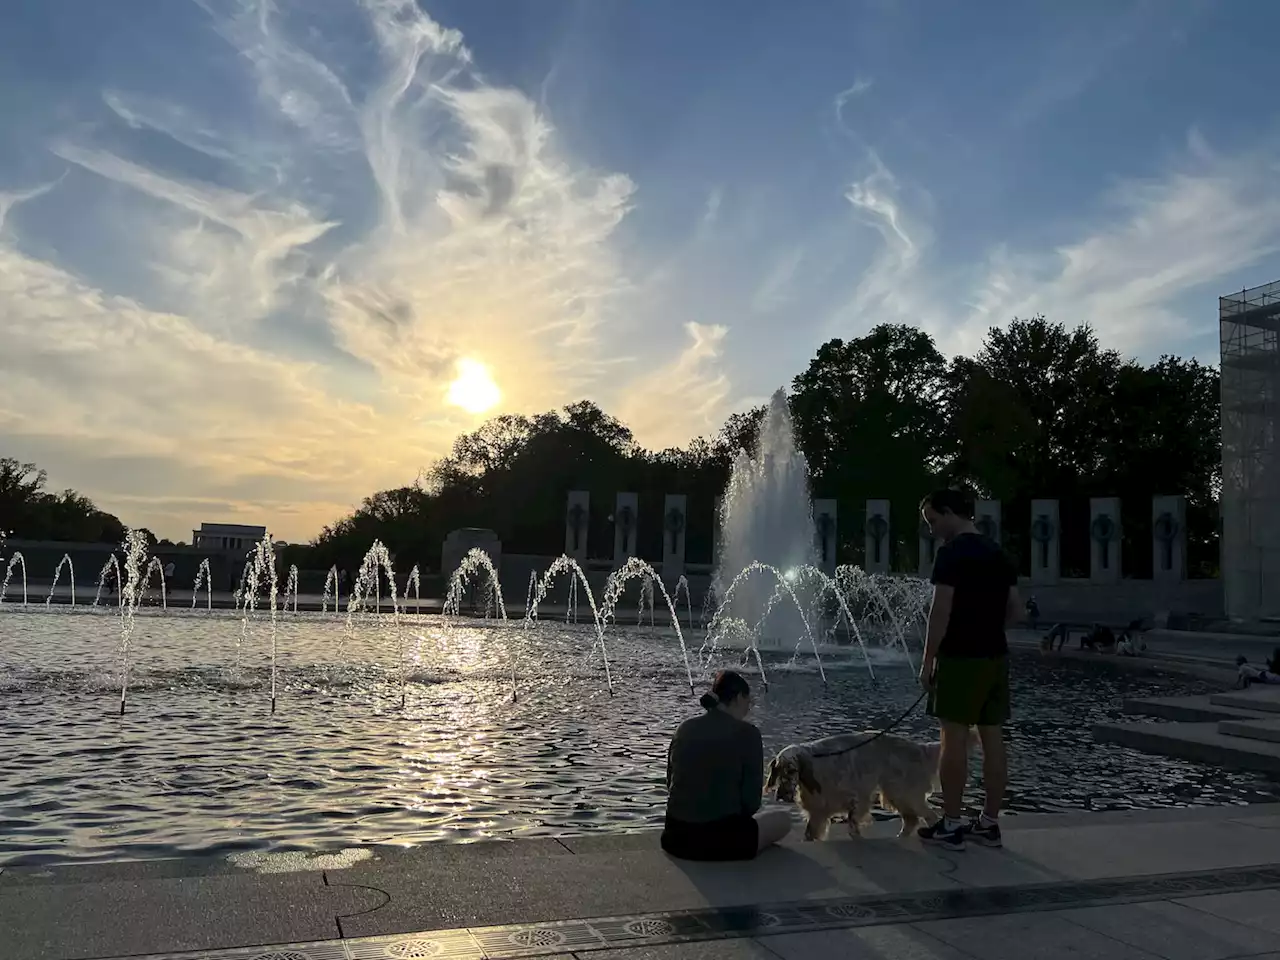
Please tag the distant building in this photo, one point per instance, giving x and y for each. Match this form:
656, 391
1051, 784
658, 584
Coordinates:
231, 537
1250, 335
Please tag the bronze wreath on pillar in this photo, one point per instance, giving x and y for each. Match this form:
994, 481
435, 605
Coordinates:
675, 524
878, 527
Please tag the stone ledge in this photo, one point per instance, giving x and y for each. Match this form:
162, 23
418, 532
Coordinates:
1265, 730
1193, 709
1192, 741
1256, 699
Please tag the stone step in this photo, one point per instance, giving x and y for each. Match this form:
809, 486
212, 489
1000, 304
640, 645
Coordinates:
1194, 709
1200, 742
1268, 730
1259, 699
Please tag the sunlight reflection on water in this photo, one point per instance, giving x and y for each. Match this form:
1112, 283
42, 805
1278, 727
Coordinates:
199, 764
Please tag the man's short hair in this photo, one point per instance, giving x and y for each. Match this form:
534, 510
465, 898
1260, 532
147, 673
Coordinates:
949, 501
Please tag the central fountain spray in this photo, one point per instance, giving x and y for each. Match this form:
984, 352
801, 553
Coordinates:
766, 524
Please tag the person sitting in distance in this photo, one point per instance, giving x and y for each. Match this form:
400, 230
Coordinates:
715, 781
1247, 674
1101, 637
1131, 643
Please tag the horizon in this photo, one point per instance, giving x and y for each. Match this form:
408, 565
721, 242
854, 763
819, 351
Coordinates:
258, 261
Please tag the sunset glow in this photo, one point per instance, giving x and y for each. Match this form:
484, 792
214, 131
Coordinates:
473, 389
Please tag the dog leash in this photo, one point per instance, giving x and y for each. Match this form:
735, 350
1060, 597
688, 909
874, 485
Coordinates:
874, 736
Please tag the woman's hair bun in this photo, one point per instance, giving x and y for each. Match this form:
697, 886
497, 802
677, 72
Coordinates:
709, 701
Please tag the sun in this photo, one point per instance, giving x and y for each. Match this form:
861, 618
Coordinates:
473, 388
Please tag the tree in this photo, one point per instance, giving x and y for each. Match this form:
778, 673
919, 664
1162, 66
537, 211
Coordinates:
30, 512
741, 431
1166, 437
19, 482
1026, 410
1040, 411
869, 419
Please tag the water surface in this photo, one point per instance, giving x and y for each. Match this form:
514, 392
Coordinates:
200, 765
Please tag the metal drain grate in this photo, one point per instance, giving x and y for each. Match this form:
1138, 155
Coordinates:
650, 927
537, 938
414, 949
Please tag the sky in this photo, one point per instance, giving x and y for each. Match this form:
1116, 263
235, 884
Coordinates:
259, 258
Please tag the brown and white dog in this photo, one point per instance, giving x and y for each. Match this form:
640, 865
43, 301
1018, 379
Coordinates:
845, 774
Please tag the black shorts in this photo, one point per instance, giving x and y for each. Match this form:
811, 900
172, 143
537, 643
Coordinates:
733, 838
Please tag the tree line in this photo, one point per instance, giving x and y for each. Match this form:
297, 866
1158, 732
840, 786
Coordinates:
30, 512
1041, 410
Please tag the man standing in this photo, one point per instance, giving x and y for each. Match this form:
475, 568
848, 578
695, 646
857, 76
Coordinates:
965, 666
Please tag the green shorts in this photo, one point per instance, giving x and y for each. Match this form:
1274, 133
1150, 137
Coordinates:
973, 691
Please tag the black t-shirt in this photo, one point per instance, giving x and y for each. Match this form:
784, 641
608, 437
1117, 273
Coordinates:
981, 574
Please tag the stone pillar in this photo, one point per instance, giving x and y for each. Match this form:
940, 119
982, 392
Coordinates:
1046, 542
879, 546
626, 512
460, 542
674, 521
1169, 538
988, 519
577, 520
928, 550
825, 514
1104, 539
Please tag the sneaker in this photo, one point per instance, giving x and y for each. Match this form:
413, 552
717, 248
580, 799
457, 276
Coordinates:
951, 838
985, 834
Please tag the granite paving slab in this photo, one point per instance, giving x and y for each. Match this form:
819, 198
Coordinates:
715, 950
1126, 850
1174, 931
424, 894
1255, 908
119, 918
1030, 937
901, 942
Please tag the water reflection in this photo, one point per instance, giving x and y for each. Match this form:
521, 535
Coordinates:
199, 764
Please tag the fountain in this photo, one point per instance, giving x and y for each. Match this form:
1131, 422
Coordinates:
415, 581
766, 521
57, 575
331, 588
646, 600
113, 563
376, 562
15, 561
154, 566
635, 567
571, 608
683, 585
476, 562
203, 576
135, 550
560, 565
529, 612
291, 586
850, 608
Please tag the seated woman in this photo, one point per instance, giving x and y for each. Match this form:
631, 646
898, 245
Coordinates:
715, 781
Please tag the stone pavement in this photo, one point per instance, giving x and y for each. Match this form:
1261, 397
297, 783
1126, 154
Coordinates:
1176, 884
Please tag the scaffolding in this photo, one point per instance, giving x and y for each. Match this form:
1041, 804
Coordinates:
1249, 327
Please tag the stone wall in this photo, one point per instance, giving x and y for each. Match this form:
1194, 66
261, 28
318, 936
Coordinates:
1126, 600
